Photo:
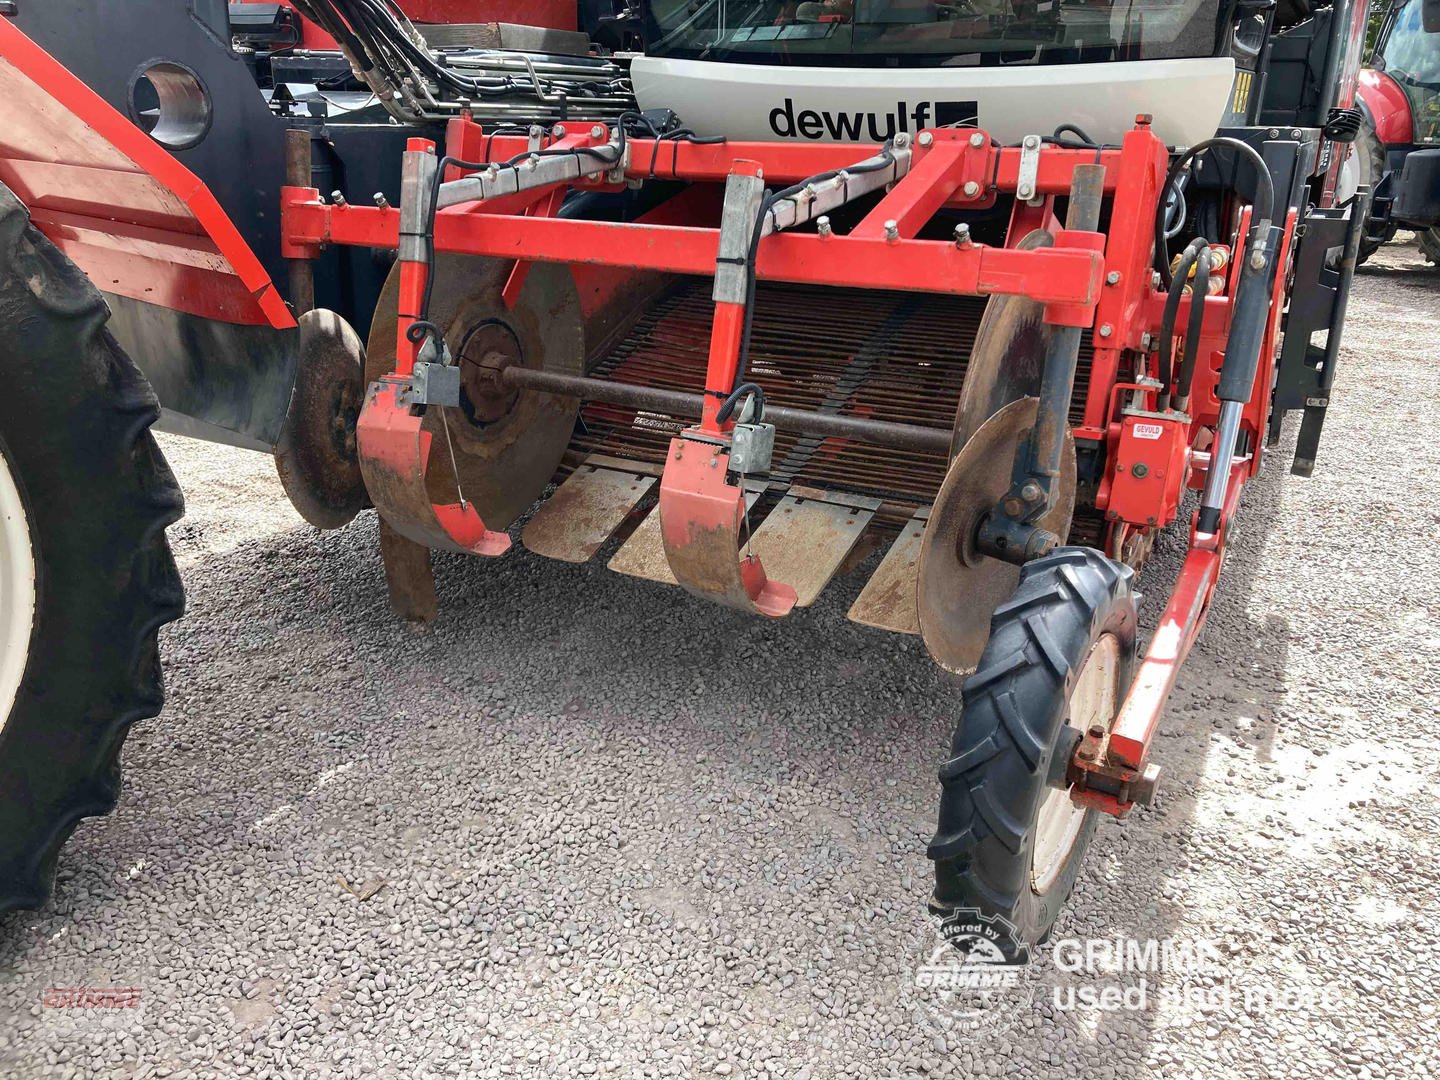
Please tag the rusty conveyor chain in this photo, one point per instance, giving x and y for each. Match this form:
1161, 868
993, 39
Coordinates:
876, 355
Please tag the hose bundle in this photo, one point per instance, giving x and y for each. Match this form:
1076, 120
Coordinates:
415, 82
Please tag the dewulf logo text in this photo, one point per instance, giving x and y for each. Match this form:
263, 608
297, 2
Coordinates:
842, 125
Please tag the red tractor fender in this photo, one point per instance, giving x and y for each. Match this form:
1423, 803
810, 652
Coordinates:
138, 222
1387, 107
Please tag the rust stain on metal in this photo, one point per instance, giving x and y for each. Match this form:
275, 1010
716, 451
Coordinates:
888, 600
584, 512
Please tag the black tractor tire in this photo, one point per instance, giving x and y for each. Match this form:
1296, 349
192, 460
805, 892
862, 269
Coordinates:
93, 495
1369, 154
1013, 729
1430, 244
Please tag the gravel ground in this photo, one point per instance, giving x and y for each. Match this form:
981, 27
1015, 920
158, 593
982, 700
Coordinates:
600, 852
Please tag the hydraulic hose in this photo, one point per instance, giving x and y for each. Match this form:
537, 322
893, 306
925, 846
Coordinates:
1172, 310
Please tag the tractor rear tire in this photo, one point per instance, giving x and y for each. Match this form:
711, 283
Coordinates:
1430, 244
1369, 154
86, 575
1061, 651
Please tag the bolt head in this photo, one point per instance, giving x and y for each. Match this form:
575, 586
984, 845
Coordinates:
926, 138
1106, 330
1257, 261
1031, 142
1112, 278
977, 140
1031, 491
1024, 191
558, 131
1013, 507
972, 188
1139, 469
1097, 731
596, 131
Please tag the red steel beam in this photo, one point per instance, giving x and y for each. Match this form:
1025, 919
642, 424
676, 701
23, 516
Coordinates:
1049, 275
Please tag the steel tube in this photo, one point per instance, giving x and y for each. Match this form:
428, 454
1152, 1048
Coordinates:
299, 172
680, 403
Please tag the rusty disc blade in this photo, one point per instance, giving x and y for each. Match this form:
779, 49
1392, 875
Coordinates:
315, 455
958, 588
507, 444
1008, 355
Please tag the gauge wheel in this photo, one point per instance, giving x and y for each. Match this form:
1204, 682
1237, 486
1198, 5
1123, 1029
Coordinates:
1059, 660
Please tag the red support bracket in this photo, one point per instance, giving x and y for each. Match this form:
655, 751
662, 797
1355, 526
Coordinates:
394, 453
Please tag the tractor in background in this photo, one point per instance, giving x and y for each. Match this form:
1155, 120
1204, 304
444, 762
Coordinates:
1398, 151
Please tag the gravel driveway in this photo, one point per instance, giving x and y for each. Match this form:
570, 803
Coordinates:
589, 826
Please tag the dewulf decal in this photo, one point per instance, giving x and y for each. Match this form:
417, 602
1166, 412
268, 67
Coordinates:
790, 121
1148, 431
764, 102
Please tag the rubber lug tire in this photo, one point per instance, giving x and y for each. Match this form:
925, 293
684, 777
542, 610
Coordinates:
1013, 718
75, 431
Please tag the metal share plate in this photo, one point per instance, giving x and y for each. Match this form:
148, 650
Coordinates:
643, 553
888, 600
574, 523
805, 539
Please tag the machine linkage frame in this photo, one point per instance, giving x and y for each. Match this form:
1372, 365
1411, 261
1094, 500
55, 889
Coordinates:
1088, 279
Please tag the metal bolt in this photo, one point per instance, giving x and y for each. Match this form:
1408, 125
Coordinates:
1112, 278
1013, 507
558, 131
1031, 492
1139, 469
382, 202
962, 235
1274, 133
1154, 279
1257, 261
926, 138
822, 226
977, 140
1024, 191
1097, 731
597, 131
1146, 341
901, 141
892, 232
1294, 133
1031, 142
1106, 330
338, 198
972, 188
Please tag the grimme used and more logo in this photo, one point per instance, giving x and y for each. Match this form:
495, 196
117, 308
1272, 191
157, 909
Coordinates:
844, 125
981, 973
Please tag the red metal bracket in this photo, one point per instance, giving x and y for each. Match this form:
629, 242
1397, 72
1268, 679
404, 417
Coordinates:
702, 516
394, 453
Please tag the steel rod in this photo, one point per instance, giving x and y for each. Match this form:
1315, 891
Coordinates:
680, 403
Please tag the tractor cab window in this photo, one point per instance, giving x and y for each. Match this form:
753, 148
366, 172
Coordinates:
1411, 57
926, 32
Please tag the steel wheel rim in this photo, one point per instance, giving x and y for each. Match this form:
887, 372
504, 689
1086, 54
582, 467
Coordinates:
1092, 701
17, 590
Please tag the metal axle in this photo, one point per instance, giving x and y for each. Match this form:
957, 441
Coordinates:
680, 403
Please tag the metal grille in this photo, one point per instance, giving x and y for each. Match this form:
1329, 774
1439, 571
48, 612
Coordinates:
879, 355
